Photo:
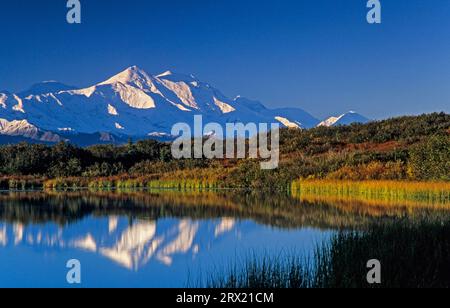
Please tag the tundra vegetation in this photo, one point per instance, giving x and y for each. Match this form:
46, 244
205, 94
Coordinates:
383, 186
408, 149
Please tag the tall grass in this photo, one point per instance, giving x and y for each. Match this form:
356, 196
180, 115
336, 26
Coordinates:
21, 183
195, 179
266, 273
378, 192
411, 256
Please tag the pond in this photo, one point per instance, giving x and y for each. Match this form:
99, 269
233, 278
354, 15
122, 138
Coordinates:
161, 239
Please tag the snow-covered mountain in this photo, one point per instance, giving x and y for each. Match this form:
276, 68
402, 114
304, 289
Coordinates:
21, 128
46, 87
344, 119
131, 103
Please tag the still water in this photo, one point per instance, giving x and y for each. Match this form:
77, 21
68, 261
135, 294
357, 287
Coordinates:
155, 239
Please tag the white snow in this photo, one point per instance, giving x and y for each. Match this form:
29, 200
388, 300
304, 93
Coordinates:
56, 99
86, 92
118, 126
134, 97
344, 119
182, 91
182, 108
224, 107
287, 123
166, 73
330, 121
3, 99
158, 134
18, 128
137, 103
19, 106
112, 110
131, 76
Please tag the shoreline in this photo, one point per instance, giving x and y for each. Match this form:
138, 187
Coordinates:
370, 193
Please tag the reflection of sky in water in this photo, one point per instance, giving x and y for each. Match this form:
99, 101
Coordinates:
117, 252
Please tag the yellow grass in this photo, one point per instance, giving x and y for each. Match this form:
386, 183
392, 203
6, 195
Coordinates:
375, 193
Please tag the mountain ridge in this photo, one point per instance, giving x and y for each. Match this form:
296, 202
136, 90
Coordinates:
132, 103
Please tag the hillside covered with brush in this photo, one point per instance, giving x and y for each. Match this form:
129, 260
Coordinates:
404, 148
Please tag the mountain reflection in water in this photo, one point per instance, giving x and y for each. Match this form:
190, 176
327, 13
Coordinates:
172, 230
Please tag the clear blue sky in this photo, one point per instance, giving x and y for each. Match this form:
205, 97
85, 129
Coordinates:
320, 55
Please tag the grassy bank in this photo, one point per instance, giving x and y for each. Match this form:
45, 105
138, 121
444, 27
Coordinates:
127, 183
363, 193
412, 256
374, 192
406, 148
21, 183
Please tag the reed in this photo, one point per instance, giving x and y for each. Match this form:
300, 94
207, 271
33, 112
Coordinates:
186, 184
411, 256
131, 183
266, 272
21, 183
66, 183
374, 192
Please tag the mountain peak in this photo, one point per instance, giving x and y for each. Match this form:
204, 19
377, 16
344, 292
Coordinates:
134, 103
135, 70
132, 75
44, 87
345, 119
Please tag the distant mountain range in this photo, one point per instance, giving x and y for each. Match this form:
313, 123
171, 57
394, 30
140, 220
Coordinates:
133, 104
